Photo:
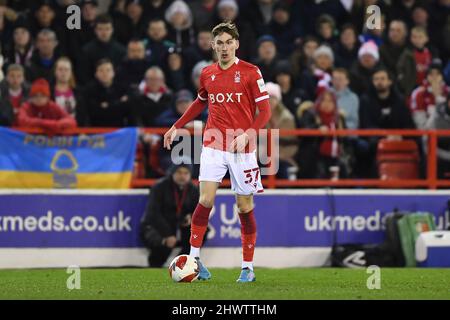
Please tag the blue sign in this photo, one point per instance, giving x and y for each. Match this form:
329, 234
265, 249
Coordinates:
295, 219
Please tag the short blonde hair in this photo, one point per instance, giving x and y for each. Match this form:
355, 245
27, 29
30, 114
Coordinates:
227, 27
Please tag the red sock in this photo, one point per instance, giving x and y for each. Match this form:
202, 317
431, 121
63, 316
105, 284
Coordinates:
199, 225
248, 235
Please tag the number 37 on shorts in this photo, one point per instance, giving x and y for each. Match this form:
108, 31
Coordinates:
243, 167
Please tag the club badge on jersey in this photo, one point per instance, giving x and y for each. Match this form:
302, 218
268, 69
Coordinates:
237, 77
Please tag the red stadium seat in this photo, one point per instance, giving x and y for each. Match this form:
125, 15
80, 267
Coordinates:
398, 160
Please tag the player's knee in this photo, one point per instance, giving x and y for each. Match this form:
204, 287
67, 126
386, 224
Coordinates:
244, 207
206, 201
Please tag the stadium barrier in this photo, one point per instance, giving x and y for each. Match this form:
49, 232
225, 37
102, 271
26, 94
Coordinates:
271, 182
296, 228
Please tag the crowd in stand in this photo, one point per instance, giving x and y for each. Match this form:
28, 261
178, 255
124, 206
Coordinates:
325, 65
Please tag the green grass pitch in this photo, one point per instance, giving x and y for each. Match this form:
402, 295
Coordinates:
292, 283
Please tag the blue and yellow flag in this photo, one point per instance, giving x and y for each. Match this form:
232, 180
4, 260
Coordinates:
82, 161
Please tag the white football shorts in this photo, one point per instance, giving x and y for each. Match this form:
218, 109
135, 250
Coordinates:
244, 171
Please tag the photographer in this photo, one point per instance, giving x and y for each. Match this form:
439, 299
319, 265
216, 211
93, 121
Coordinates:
166, 223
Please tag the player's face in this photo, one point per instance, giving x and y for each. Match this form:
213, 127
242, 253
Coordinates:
225, 47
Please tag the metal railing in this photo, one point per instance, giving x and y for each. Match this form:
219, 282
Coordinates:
271, 181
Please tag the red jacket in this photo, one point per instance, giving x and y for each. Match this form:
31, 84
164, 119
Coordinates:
422, 99
51, 117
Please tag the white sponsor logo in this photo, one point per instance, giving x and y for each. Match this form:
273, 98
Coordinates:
227, 97
261, 85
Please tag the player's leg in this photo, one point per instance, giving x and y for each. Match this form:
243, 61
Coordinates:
245, 207
212, 170
246, 181
200, 217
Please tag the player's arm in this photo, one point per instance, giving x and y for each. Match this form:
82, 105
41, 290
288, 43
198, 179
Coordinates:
190, 114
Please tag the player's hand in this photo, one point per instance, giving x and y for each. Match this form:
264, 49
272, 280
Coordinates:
239, 143
170, 242
169, 136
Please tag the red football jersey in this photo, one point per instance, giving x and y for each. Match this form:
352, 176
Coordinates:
232, 95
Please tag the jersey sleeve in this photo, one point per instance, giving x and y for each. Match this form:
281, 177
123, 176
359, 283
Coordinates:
258, 86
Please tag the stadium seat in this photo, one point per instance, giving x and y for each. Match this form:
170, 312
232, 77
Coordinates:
398, 160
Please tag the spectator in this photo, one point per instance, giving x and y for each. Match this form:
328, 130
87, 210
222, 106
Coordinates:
439, 13
285, 31
203, 13
292, 97
202, 50
318, 77
447, 73
196, 72
359, 14
376, 34
131, 23
403, 10
319, 155
102, 47
414, 62
41, 112
13, 93
430, 94
106, 100
21, 49
156, 42
44, 17
154, 98
346, 49
44, 57
267, 56
175, 69
326, 30
228, 10
64, 90
391, 50
361, 71
383, 107
440, 120
302, 57
283, 119
131, 71
79, 38
183, 100
2, 60
179, 19
169, 212
347, 101
259, 14
155, 9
